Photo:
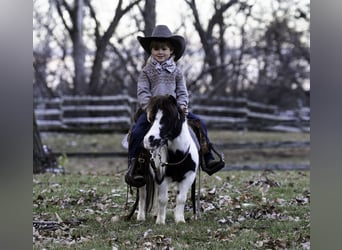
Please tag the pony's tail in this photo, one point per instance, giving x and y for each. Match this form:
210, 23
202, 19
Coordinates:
150, 189
193, 197
135, 205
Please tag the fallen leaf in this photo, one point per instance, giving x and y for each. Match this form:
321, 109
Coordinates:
212, 191
59, 218
147, 232
115, 218
306, 245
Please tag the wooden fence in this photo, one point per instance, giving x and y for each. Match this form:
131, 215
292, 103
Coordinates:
115, 113
85, 113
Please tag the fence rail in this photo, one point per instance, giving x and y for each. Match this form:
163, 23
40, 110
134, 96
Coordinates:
115, 113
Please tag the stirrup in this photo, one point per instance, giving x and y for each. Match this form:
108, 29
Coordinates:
216, 167
220, 156
132, 178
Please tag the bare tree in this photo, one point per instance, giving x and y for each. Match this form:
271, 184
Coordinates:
103, 41
278, 49
75, 30
73, 22
214, 59
126, 76
149, 15
42, 52
235, 40
285, 61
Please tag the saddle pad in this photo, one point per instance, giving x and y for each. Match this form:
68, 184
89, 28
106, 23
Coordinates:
124, 142
194, 137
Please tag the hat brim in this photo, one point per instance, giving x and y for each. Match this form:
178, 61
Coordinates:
177, 41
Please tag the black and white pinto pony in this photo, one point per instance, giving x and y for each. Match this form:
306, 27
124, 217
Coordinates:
174, 158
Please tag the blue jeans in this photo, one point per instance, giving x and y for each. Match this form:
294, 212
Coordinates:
142, 126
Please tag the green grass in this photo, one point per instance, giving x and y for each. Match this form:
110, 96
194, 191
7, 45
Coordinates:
241, 210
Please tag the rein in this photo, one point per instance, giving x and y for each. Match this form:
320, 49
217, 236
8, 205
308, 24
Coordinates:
165, 164
157, 171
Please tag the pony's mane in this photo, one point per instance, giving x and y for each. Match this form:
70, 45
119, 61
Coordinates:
172, 117
166, 103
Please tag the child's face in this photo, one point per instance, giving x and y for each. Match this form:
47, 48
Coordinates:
161, 51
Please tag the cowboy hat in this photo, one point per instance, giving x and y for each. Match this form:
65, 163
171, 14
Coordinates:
162, 32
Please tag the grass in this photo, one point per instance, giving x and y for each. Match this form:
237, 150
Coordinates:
240, 210
84, 208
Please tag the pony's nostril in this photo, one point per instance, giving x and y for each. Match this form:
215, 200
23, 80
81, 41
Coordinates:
156, 143
150, 139
153, 141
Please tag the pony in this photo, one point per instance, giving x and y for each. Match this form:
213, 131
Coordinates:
174, 158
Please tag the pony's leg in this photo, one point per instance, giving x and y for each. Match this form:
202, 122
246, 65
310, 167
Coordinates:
155, 207
183, 188
162, 202
142, 204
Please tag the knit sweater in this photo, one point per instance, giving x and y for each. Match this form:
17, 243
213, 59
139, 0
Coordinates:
155, 80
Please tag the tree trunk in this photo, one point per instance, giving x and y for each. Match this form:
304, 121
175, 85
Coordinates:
213, 58
42, 159
38, 151
101, 44
79, 50
149, 15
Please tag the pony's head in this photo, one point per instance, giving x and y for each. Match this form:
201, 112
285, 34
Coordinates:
166, 119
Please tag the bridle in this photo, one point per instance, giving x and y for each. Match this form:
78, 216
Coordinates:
156, 154
162, 164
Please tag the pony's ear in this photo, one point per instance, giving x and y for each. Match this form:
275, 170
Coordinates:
172, 99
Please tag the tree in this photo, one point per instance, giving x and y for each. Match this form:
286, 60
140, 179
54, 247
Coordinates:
75, 30
247, 45
284, 58
42, 52
126, 68
42, 156
72, 15
241, 46
149, 15
214, 58
103, 41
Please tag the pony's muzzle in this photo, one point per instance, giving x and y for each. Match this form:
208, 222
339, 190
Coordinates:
151, 142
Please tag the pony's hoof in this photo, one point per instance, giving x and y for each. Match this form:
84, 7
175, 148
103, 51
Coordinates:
180, 220
141, 218
160, 222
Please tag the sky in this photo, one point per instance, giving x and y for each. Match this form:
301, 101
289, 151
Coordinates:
170, 12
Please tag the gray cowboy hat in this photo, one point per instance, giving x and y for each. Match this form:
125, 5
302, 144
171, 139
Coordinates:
162, 32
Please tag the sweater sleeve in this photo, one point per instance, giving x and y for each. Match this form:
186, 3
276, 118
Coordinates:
181, 90
143, 90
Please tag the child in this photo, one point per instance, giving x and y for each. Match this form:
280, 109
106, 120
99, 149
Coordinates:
161, 76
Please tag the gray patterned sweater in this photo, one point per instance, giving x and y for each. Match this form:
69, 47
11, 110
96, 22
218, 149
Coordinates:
161, 79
